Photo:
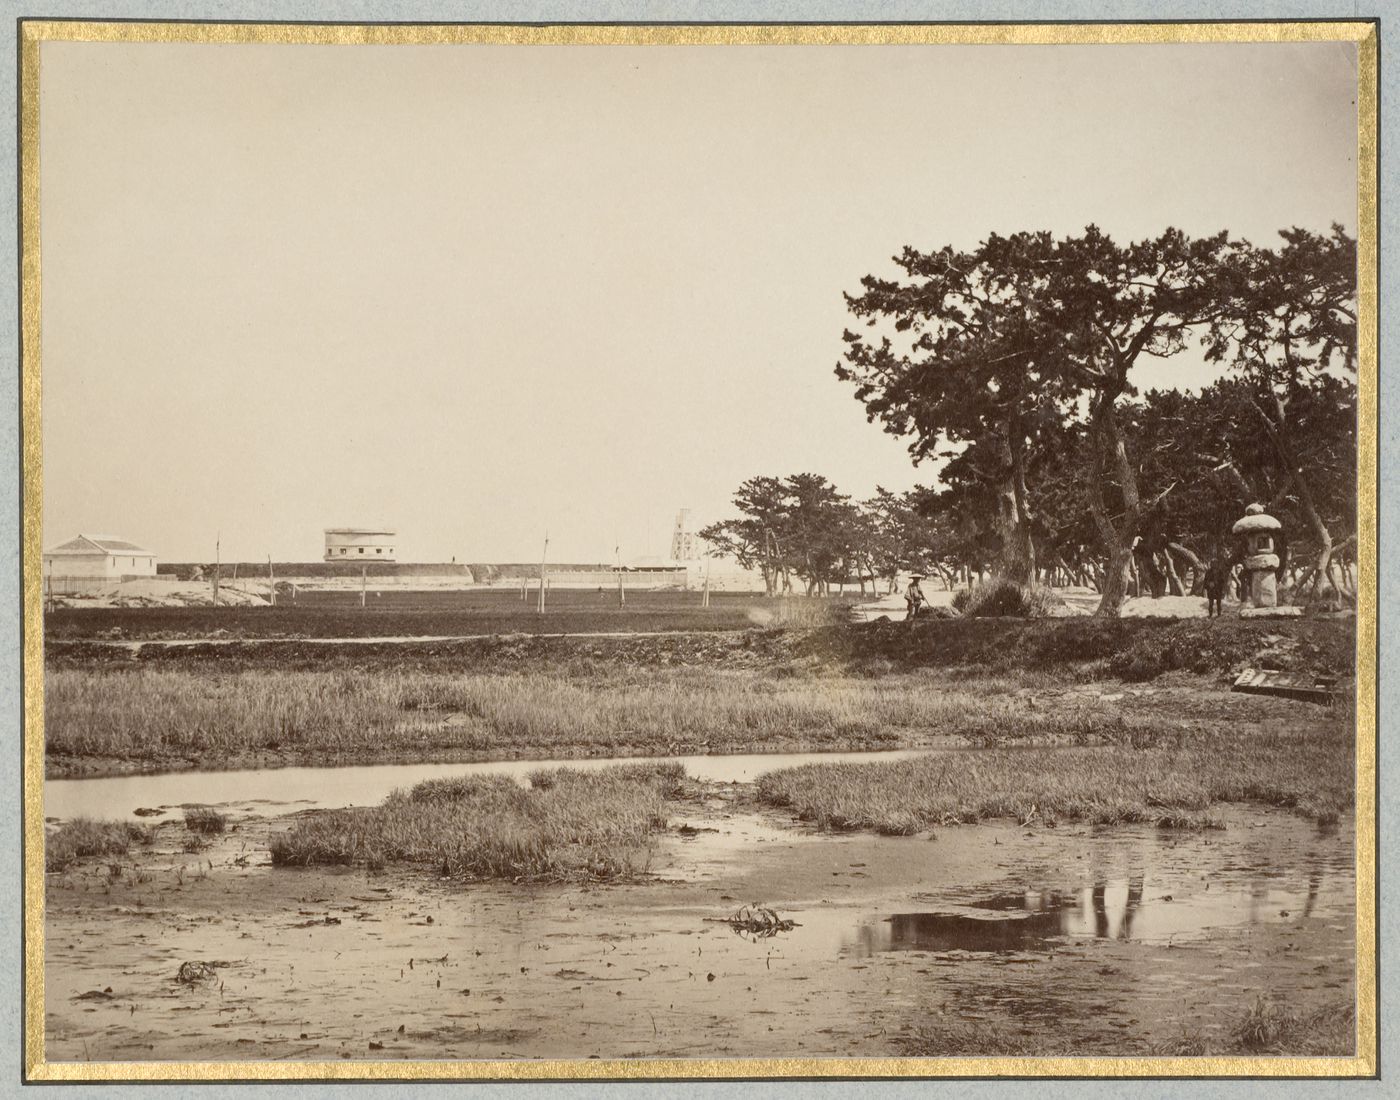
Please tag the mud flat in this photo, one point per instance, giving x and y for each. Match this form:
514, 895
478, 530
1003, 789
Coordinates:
1116, 941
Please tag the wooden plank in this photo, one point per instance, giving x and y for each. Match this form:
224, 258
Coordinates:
1306, 687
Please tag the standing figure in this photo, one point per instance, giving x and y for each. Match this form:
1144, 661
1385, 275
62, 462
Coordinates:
914, 598
1217, 581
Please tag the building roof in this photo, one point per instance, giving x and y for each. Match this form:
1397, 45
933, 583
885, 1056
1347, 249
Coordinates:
360, 531
98, 544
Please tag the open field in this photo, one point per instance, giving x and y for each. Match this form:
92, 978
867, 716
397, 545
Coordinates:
479, 611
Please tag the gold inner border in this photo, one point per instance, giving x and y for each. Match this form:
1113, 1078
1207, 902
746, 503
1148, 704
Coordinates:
34, 32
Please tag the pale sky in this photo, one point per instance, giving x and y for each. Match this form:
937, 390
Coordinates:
478, 292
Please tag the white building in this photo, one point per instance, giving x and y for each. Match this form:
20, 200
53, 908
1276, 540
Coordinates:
98, 557
360, 544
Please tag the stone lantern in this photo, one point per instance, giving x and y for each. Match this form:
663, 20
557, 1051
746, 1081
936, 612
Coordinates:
1261, 560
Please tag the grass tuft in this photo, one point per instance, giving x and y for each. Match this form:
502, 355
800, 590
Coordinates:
83, 838
1268, 1028
205, 820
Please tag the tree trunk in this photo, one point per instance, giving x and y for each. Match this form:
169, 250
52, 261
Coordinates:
1277, 431
1198, 569
1115, 582
1017, 562
1174, 585
1117, 538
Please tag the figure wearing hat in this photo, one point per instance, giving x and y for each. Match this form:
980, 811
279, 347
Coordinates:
914, 597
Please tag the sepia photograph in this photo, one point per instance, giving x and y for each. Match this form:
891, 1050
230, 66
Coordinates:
647, 551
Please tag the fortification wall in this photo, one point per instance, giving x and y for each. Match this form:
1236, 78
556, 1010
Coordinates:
296, 570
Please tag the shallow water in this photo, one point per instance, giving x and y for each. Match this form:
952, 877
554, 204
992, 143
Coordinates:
1106, 939
1127, 885
267, 792
1124, 910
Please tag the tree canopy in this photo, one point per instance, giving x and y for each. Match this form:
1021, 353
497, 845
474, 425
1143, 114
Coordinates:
1014, 363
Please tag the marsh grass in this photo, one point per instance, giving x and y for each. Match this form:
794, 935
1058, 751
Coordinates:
566, 825
1271, 1028
1172, 783
975, 1039
205, 820
159, 715
84, 837
1265, 1027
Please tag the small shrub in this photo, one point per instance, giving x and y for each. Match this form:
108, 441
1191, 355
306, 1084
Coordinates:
205, 820
807, 612
998, 597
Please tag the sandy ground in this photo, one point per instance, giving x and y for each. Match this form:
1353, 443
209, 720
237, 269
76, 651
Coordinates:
171, 593
1078, 601
1167, 934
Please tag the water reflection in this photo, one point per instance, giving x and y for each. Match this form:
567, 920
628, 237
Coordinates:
1124, 909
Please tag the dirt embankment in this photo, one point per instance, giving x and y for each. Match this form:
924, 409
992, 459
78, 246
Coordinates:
1128, 649
1080, 649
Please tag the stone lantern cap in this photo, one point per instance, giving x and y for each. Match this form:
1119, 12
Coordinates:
1255, 523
